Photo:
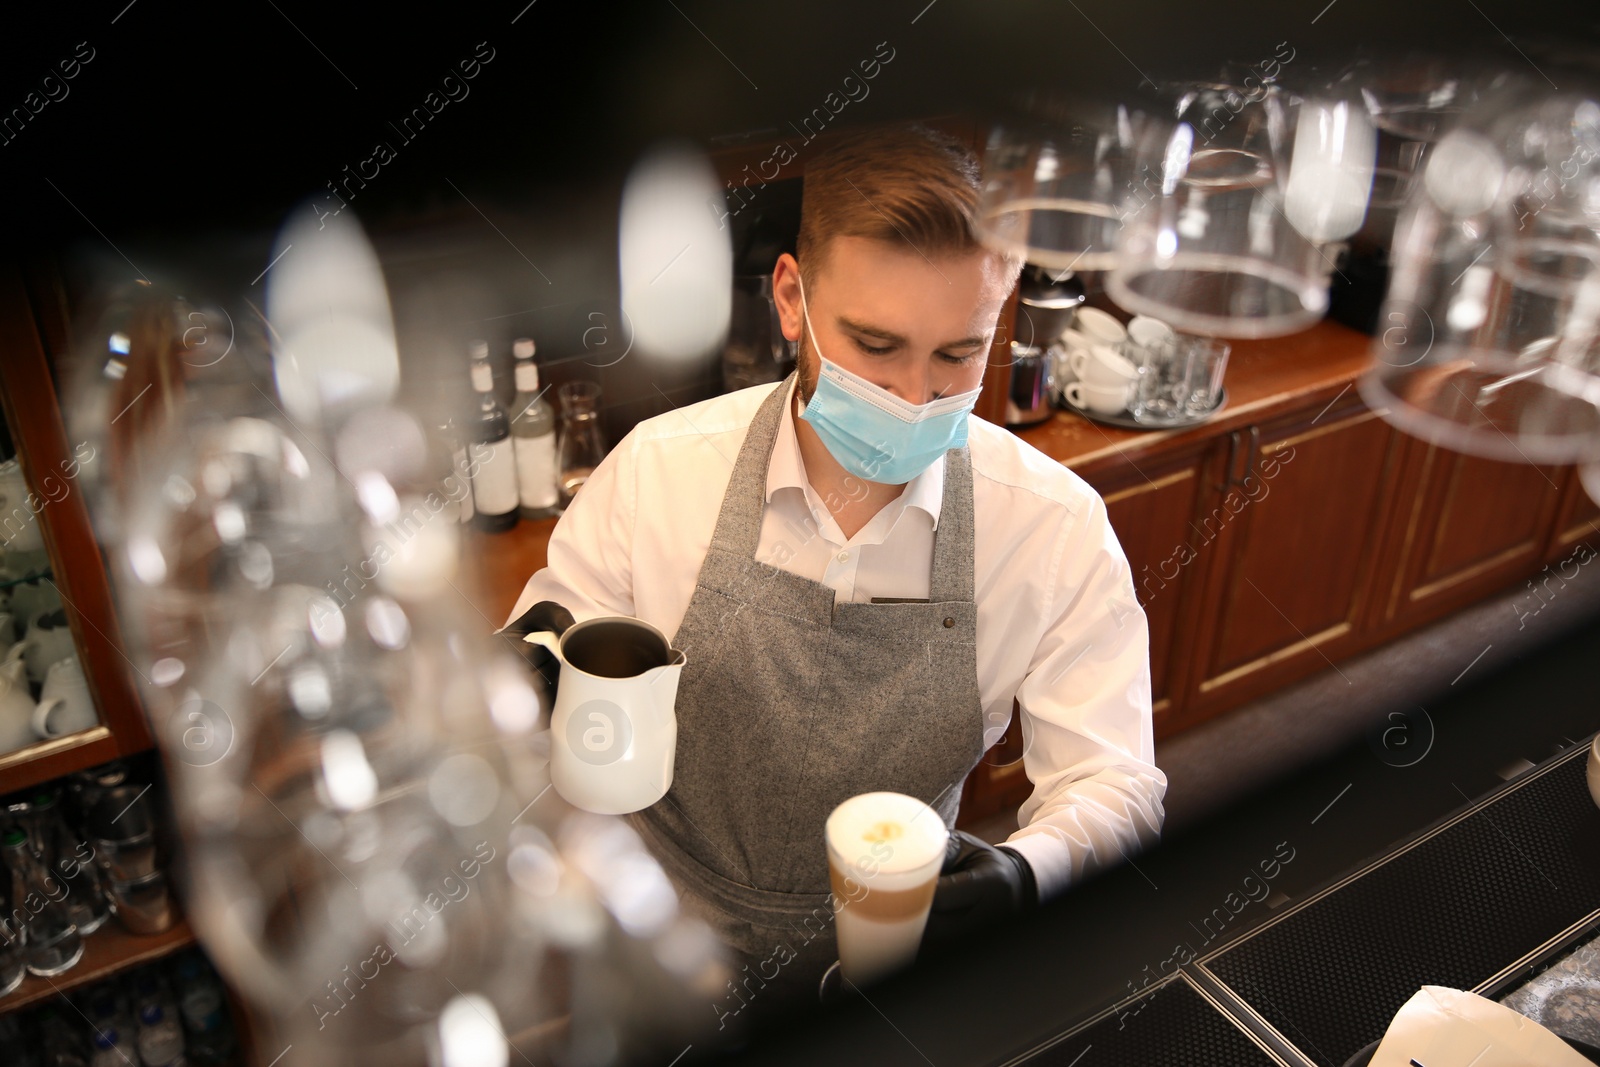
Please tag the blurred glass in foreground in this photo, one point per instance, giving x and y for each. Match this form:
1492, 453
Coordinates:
1489, 339
373, 855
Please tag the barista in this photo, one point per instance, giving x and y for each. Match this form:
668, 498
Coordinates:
864, 577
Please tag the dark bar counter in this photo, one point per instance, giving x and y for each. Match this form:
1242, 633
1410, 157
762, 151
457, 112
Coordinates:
1289, 928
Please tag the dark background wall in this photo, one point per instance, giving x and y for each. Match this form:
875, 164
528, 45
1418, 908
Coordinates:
199, 117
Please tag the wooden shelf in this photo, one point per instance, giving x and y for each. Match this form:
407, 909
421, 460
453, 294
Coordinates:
108, 951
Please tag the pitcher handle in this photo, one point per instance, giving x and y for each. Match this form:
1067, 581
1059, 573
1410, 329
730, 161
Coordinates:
41, 716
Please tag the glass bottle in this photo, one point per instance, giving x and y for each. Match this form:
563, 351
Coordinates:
68, 856
112, 1048
50, 941
582, 445
108, 1011
160, 1038
208, 1035
493, 464
13, 960
533, 432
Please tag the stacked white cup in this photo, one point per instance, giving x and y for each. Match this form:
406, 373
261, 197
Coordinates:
1103, 376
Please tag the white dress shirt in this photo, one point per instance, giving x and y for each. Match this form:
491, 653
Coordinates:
1059, 628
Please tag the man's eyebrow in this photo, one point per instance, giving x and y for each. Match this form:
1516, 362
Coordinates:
893, 338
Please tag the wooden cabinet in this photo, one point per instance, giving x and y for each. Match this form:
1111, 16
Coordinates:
1296, 534
1577, 520
1468, 526
1297, 528
50, 464
1157, 510
33, 339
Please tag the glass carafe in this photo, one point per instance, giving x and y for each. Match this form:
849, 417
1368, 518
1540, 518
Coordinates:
50, 941
582, 444
69, 857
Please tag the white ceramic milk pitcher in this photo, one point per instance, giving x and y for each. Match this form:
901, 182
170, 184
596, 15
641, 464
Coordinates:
613, 731
16, 704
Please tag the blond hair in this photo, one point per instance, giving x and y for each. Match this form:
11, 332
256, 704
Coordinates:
907, 185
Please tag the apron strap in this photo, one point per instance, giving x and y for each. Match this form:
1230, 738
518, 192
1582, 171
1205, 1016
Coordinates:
952, 577
738, 529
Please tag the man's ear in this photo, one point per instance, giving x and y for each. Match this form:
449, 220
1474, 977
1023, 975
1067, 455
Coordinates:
786, 295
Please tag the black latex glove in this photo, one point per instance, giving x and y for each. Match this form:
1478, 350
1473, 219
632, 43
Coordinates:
979, 885
545, 615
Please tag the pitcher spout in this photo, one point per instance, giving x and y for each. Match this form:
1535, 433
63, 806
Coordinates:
662, 682
548, 640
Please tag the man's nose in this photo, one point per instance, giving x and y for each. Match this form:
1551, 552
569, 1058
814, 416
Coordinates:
914, 384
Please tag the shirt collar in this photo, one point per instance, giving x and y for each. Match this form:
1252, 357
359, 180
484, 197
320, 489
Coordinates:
787, 470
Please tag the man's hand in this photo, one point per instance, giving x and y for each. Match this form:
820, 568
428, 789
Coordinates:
979, 885
545, 615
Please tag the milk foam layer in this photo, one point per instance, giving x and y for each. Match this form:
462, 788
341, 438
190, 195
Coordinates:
886, 840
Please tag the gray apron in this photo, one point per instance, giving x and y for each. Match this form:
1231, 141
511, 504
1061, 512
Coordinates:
788, 706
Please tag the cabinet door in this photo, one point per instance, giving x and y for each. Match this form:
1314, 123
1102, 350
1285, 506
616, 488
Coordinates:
1578, 520
1473, 526
1297, 544
52, 573
1153, 508
1152, 505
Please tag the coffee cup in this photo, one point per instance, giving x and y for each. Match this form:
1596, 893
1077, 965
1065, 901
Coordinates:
1099, 326
1102, 365
1149, 333
65, 706
884, 855
1100, 399
613, 730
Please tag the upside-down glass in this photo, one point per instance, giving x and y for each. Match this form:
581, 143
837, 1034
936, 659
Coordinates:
1179, 379
1054, 177
1490, 333
1157, 396
1205, 361
1232, 203
1412, 101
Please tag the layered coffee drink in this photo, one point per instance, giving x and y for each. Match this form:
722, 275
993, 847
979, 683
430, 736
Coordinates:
884, 854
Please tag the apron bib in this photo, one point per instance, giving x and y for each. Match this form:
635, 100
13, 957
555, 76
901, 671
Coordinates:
789, 706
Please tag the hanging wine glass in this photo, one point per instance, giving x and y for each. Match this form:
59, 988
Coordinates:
1490, 332
1055, 175
1247, 185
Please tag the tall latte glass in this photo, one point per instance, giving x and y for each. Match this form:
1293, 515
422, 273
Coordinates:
884, 854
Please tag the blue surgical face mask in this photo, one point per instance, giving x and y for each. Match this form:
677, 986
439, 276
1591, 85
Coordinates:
873, 433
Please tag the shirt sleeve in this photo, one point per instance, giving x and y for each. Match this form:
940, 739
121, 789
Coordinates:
1089, 746
589, 568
